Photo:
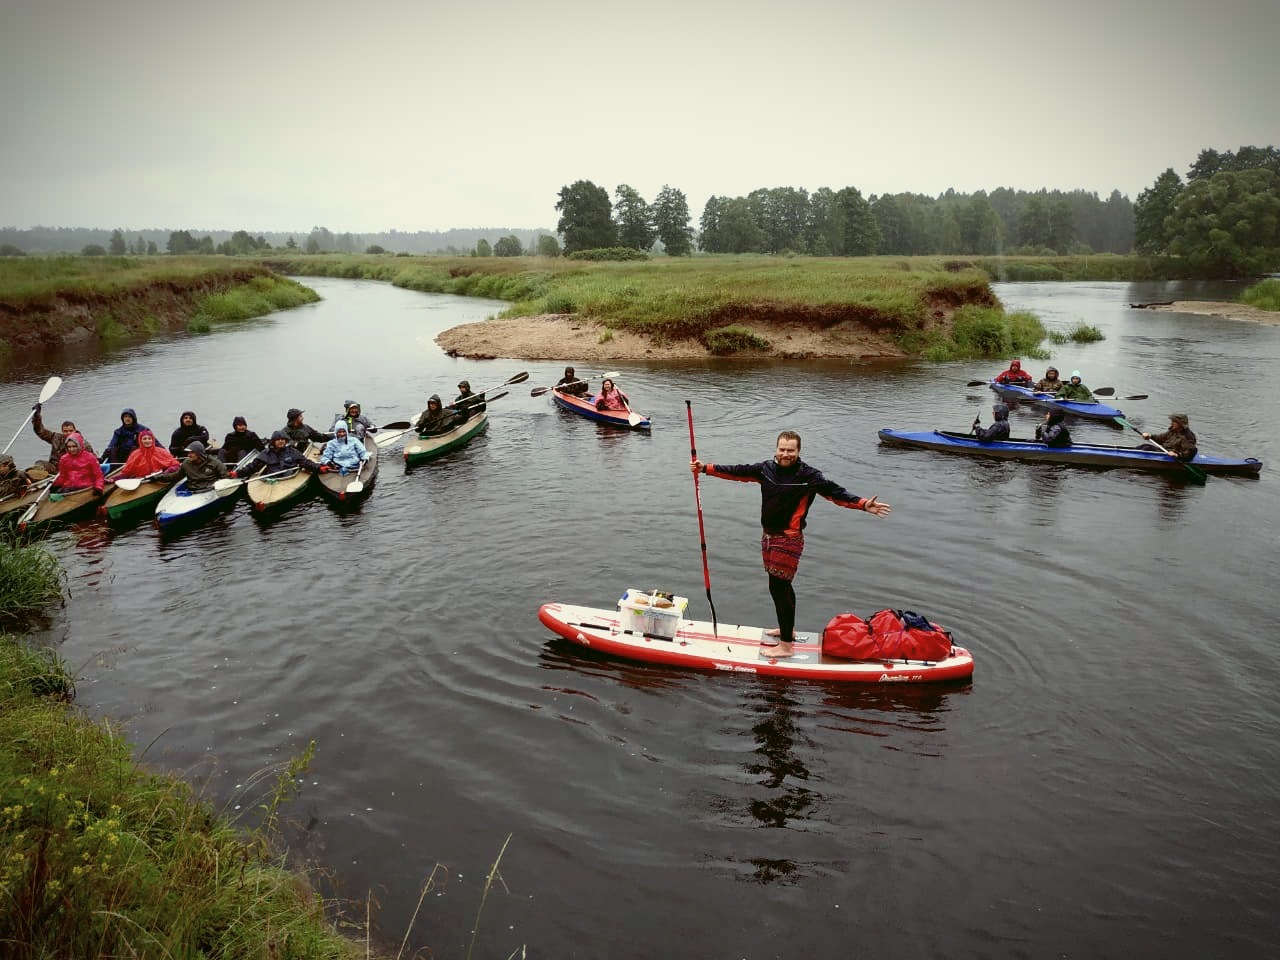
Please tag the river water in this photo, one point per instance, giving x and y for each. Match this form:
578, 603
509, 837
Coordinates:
1105, 787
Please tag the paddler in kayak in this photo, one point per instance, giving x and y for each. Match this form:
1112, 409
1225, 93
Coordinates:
149, 458
357, 423
125, 439
13, 482
1053, 432
199, 469
999, 430
1050, 382
788, 487
299, 432
78, 469
1074, 389
436, 419
57, 441
280, 455
1178, 439
240, 442
189, 428
466, 403
611, 398
1015, 376
344, 453
570, 384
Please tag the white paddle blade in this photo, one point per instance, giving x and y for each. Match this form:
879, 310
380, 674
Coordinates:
225, 484
387, 439
355, 486
129, 483
50, 388
634, 419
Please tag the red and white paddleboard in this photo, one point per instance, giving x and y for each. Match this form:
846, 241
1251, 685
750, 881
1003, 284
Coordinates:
734, 648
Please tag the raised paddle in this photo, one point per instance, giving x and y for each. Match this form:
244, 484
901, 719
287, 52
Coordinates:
539, 391
50, 388
702, 532
1197, 475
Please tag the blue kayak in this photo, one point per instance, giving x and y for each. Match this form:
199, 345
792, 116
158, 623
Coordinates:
1078, 454
1075, 408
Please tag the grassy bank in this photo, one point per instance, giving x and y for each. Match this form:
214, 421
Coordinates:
1264, 295
48, 301
99, 858
910, 302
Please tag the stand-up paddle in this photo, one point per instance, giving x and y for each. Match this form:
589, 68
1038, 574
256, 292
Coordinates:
702, 532
1197, 475
50, 388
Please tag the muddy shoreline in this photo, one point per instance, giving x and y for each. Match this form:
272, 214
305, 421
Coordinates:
569, 337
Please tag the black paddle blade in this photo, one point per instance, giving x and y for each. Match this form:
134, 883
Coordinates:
538, 391
520, 377
977, 383
1137, 396
1104, 392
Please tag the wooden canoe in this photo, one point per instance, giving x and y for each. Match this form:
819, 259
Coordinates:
424, 448
125, 506
333, 486
271, 496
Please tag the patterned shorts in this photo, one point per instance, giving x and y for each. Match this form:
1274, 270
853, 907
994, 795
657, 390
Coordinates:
781, 554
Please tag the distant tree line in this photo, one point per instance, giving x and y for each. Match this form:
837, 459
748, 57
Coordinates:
844, 223
152, 242
1225, 220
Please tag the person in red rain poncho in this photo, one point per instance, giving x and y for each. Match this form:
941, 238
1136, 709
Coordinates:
78, 469
1015, 375
149, 458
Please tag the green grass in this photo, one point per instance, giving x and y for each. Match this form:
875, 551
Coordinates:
258, 297
733, 339
688, 297
30, 581
979, 332
1264, 295
1080, 333
99, 858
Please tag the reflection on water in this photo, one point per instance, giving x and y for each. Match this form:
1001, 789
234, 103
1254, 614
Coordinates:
780, 770
447, 718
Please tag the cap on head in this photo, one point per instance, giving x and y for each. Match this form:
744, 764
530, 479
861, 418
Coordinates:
196, 447
6, 460
1075, 373
464, 384
1180, 418
293, 412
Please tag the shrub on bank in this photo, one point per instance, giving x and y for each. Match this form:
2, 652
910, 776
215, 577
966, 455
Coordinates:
733, 338
257, 298
979, 332
608, 253
1264, 295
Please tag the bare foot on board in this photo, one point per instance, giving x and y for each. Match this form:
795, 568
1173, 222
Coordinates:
784, 650
775, 632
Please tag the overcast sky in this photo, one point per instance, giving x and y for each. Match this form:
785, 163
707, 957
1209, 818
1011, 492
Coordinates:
277, 115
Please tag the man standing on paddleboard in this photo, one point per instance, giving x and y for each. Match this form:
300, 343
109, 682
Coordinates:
788, 487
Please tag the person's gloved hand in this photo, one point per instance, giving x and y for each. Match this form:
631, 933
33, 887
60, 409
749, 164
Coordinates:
36, 406
232, 474
325, 468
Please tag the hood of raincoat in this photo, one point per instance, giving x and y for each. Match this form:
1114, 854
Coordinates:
129, 411
1000, 411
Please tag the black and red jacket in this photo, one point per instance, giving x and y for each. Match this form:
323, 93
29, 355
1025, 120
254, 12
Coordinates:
787, 493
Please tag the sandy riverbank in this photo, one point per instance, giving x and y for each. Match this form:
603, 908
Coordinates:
568, 337
1210, 308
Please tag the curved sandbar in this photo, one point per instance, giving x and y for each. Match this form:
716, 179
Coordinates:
569, 337
1211, 308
